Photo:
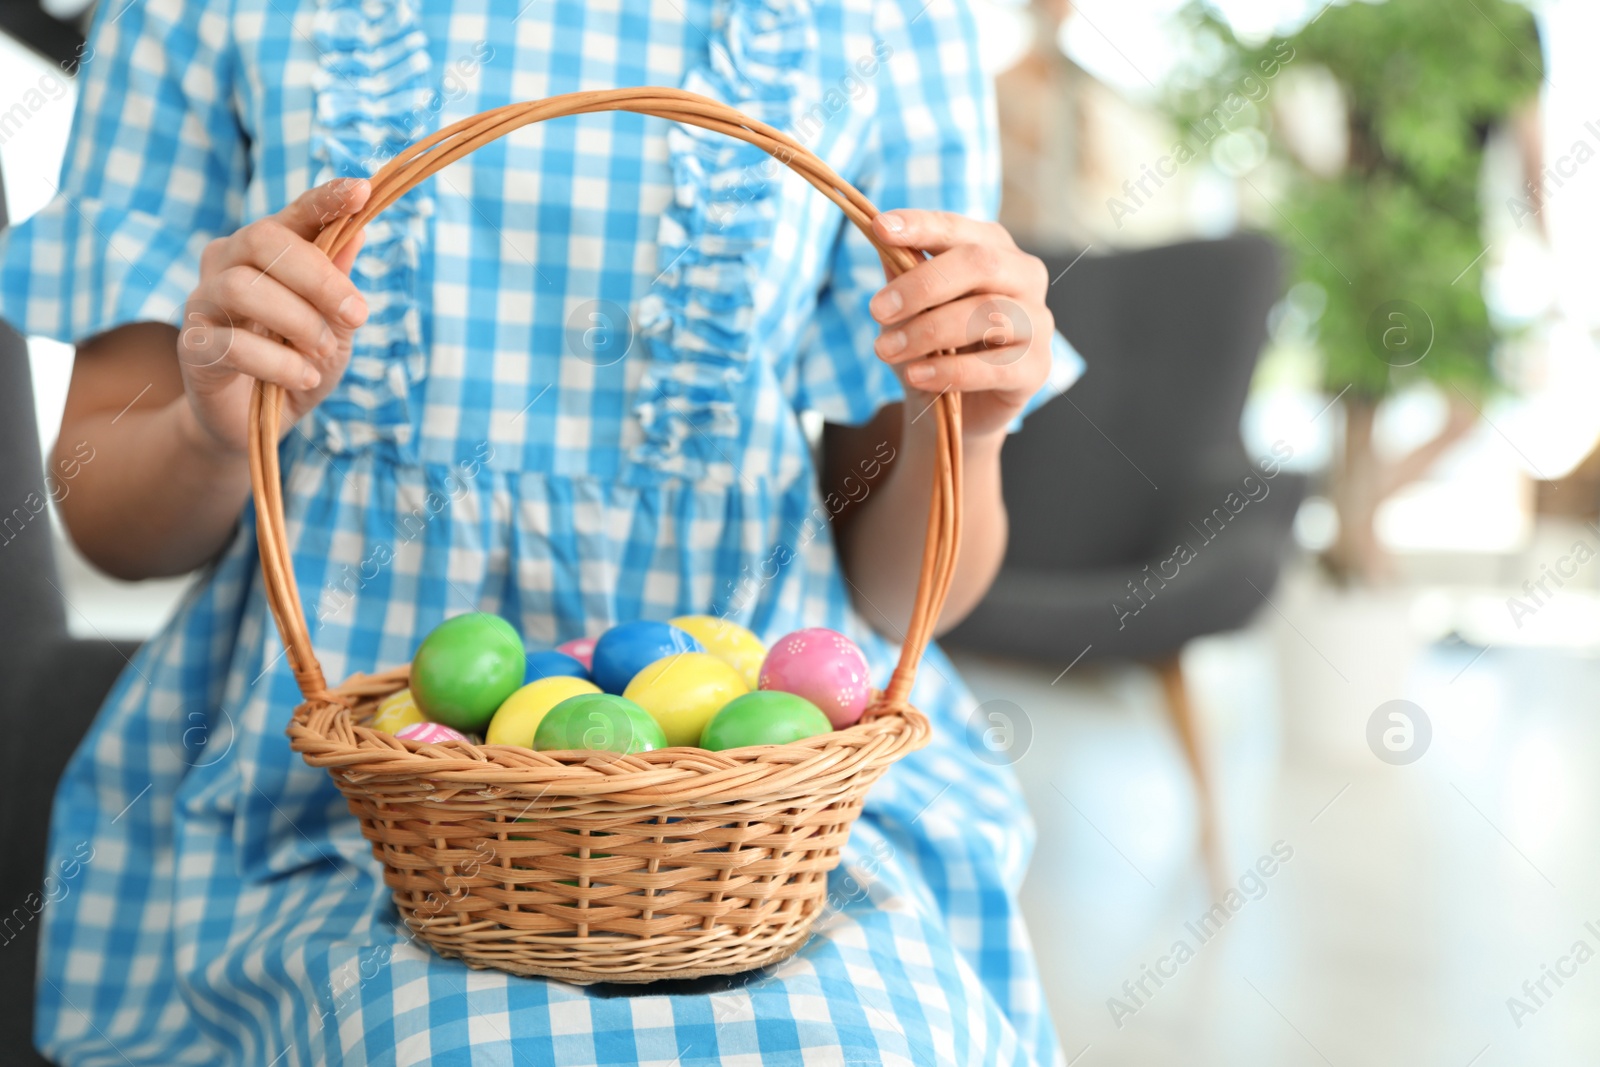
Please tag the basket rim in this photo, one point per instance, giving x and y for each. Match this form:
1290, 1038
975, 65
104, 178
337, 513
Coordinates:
324, 734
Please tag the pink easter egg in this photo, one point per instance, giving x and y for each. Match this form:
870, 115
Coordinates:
431, 733
580, 649
823, 666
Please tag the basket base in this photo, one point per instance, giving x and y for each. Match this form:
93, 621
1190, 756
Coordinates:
705, 954
572, 976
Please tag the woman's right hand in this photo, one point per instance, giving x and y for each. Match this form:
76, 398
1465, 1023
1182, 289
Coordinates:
268, 278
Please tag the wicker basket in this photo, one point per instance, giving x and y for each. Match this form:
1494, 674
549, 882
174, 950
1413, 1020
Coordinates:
590, 867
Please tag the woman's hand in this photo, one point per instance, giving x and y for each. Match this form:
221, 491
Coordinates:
268, 278
979, 296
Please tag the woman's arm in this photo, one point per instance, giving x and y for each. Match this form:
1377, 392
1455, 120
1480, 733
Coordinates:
880, 534
165, 410
982, 299
157, 500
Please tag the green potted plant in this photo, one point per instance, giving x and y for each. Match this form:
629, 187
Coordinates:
1391, 235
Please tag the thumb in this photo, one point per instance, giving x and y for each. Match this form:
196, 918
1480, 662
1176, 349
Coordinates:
316, 207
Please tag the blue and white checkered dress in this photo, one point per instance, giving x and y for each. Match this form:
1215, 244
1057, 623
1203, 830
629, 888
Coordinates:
577, 401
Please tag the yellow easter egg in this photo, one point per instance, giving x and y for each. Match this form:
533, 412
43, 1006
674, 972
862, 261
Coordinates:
684, 691
729, 642
395, 712
516, 720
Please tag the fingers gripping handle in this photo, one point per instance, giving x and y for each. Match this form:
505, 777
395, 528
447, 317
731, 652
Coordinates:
432, 154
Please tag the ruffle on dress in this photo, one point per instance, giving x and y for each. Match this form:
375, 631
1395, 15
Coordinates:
697, 319
375, 96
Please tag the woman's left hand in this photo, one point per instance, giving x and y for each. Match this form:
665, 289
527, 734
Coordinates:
981, 298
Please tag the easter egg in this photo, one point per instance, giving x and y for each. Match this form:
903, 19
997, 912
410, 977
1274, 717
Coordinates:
519, 717
552, 665
466, 668
580, 649
430, 733
684, 691
729, 642
395, 712
598, 722
625, 650
765, 717
823, 666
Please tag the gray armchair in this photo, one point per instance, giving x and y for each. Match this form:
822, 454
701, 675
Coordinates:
1134, 528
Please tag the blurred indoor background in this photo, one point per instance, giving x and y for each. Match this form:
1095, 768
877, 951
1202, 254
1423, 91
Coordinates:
1378, 688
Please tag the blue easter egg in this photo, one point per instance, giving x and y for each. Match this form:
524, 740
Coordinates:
552, 665
623, 651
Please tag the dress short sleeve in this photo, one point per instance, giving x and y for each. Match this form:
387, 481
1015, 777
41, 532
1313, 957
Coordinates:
935, 148
156, 167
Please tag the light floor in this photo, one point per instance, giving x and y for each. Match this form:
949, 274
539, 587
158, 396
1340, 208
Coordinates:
1418, 898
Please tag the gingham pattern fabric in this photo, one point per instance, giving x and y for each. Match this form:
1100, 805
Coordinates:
577, 402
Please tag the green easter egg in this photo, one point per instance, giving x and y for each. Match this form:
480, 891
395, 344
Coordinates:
765, 717
466, 668
598, 722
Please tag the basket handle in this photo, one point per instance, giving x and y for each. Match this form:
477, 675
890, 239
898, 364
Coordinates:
433, 153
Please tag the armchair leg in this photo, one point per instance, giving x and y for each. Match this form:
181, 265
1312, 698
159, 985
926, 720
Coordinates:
1184, 720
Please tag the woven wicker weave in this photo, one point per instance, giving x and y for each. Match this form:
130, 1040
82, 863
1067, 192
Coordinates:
593, 867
